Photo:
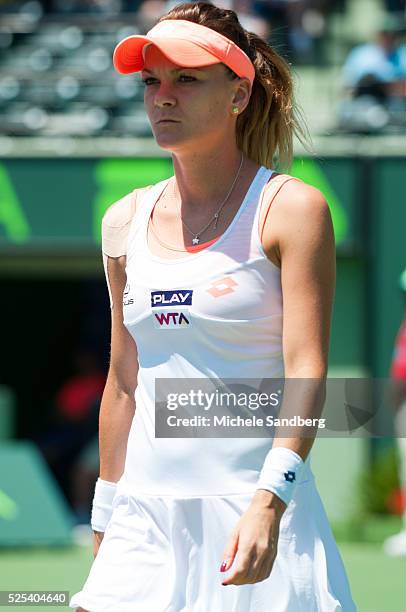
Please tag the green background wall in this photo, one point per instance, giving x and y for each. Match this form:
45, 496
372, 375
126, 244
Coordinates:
55, 206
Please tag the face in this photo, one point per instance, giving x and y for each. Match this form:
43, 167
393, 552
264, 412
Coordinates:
190, 107
388, 40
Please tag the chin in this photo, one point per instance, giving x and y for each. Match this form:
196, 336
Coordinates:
170, 142
167, 144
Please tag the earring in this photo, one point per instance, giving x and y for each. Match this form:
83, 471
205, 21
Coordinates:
235, 109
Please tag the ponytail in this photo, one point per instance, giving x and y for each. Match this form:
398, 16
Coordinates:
266, 128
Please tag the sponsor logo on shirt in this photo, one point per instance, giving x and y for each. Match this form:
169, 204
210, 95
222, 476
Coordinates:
166, 319
127, 300
181, 297
222, 286
167, 301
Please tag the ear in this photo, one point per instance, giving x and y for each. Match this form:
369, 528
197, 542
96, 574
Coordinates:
241, 94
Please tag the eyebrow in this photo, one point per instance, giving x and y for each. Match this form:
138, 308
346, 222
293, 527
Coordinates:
175, 70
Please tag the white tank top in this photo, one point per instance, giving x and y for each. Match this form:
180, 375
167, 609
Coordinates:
216, 313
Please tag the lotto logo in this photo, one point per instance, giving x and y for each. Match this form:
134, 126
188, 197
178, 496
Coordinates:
223, 286
183, 297
167, 319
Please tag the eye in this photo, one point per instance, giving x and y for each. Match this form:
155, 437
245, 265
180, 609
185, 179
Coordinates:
148, 80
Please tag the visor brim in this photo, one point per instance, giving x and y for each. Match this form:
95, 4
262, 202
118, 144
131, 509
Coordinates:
128, 54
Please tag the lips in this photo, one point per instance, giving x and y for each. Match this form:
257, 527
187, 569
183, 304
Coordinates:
167, 121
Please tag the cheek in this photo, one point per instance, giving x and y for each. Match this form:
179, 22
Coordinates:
213, 110
216, 114
148, 100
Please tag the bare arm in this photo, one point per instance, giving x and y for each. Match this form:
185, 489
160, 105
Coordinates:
301, 222
118, 404
306, 247
308, 273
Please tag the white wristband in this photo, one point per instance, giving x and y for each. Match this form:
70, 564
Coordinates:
281, 472
102, 504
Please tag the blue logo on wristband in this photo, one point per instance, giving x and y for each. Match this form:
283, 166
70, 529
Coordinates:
290, 476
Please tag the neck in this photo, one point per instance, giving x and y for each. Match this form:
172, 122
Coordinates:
202, 180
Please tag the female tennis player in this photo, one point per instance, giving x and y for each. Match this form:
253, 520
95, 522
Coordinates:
225, 270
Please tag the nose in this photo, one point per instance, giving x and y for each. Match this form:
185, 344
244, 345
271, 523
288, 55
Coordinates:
162, 103
163, 97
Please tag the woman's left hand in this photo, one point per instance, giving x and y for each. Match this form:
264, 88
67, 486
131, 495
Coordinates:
255, 538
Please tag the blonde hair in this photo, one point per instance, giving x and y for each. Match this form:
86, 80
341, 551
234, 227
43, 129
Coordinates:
265, 129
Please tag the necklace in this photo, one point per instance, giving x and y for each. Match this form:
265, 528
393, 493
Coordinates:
196, 235
162, 243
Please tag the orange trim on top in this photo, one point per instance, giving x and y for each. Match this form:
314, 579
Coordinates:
193, 248
199, 247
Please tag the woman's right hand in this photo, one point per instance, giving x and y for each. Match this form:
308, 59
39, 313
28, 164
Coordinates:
97, 540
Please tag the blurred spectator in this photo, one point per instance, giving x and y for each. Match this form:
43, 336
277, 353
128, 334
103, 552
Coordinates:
396, 545
374, 79
384, 59
77, 395
74, 423
84, 474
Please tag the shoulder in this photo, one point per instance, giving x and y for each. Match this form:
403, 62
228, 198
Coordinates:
295, 209
303, 220
290, 194
116, 222
122, 211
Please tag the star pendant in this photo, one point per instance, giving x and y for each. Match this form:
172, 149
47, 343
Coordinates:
195, 240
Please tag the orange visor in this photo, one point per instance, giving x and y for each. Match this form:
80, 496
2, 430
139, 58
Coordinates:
186, 44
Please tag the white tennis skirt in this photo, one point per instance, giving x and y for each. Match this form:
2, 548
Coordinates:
163, 554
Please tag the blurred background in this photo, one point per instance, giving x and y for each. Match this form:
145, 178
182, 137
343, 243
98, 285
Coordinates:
74, 138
